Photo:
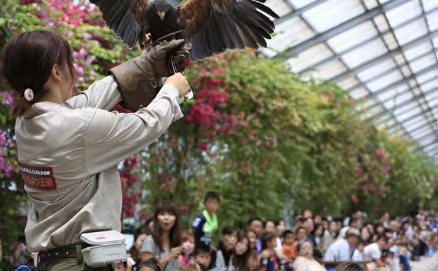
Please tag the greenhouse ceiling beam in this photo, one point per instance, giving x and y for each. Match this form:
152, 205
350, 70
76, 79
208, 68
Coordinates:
379, 35
403, 104
429, 117
384, 73
295, 50
426, 136
400, 82
421, 113
423, 148
426, 109
432, 152
423, 12
418, 128
297, 12
383, 57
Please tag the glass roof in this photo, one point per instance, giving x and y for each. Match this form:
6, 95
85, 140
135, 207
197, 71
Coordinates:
382, 52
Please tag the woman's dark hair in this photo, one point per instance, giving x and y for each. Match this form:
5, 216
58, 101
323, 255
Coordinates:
27, 62
175, 233
317, 226
241, 261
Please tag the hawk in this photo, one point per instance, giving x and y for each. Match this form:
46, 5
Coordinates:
209, 26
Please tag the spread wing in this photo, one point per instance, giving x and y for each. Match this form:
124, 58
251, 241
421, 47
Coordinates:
119, 17
213, 26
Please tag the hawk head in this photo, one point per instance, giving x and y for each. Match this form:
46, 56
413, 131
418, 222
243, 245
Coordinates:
160, 7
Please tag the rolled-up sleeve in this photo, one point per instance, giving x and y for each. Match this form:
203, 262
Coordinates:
101, 94
111, 137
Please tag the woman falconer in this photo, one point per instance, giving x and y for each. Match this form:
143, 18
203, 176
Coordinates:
69, 147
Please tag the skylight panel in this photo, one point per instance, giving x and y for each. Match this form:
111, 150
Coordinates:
415, 123
398, 99
392, 93
432, 95
359, 93
429, 85
409, 114
423, 63
417, 50
374, 111
289, 33
384, 81
332, 13
403, 13
310, 57
401, 109
432, 20
378, 69
384, 1
348, 83
421, 133
279, 6
352, 37
301, 3
370, 4
364, 53
425, 77
432, 99
429, 4
410, 32
330, 69
429, 147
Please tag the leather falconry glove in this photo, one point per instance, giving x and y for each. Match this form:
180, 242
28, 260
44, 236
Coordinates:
137, 78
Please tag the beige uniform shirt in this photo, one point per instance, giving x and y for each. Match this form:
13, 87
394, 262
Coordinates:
68, 157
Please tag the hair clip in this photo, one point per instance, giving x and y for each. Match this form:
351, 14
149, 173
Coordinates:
28, 94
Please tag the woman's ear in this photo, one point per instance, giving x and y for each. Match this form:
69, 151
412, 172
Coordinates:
56, 72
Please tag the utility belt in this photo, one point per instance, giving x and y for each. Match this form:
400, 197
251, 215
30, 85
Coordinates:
97, 249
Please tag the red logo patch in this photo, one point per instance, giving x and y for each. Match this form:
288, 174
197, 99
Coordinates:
38, 177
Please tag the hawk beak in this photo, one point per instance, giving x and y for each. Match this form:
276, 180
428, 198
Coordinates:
161, 14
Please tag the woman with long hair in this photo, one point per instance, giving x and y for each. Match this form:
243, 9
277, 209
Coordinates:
69, 147
164, 243
242, 252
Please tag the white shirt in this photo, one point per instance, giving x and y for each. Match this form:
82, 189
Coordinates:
372, 252
358, 256
339, 251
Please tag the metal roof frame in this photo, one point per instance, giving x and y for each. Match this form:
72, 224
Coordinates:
373, 90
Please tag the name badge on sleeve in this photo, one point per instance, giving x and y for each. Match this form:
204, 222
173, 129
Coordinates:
37, 177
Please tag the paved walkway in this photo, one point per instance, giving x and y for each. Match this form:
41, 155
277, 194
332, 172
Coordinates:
426, 264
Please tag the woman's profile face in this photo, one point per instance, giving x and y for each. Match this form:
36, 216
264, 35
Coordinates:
166, 220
